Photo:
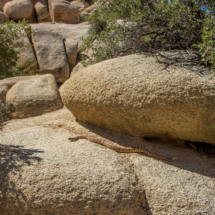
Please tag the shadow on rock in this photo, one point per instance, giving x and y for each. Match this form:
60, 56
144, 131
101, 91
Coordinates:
12, 158
187, 158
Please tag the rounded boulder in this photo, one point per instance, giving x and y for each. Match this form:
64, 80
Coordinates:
18, 9
138, 96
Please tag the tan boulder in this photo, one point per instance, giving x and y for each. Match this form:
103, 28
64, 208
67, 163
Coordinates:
71, 46
3, 17
34, 97
49, 47
63, 12
42, 13
136, 95
18, 9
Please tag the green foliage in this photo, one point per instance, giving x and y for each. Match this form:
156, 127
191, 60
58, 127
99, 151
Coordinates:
5, 112
122, 27
207, 47
11, 44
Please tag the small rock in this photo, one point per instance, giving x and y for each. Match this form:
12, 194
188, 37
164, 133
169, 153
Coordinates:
34, 97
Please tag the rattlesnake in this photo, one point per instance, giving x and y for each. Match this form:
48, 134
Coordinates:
118, 148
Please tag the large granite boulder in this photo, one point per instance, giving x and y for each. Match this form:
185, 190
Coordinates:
138, 96
43, 173
47, 174
49, 47
63, 12
35, 96
18, 9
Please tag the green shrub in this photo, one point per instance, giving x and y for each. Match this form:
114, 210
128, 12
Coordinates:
11, 44
152, 27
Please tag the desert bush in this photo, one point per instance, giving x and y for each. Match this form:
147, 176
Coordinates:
11, 44
122, 27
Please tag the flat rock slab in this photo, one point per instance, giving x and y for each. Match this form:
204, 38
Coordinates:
44, 173
49, 47
136, 95
184, 186
75, 32
34, 96
177, 190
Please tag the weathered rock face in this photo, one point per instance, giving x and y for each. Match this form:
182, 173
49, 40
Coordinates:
27, 59
18, 9
75, 32
63, 12
3, 17
71, 46
34, 97
137, 96
42, 13
48, 44
50, 175
7, 83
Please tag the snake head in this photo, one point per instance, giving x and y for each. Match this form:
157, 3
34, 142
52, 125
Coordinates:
72, 139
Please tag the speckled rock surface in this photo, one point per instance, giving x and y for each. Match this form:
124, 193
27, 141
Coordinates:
49, 47
47, 174
18, 9
34, 96
7, 83
135, 95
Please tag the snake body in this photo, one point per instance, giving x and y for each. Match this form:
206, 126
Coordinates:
119, 148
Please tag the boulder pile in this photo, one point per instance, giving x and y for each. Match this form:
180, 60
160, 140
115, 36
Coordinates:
57, 11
